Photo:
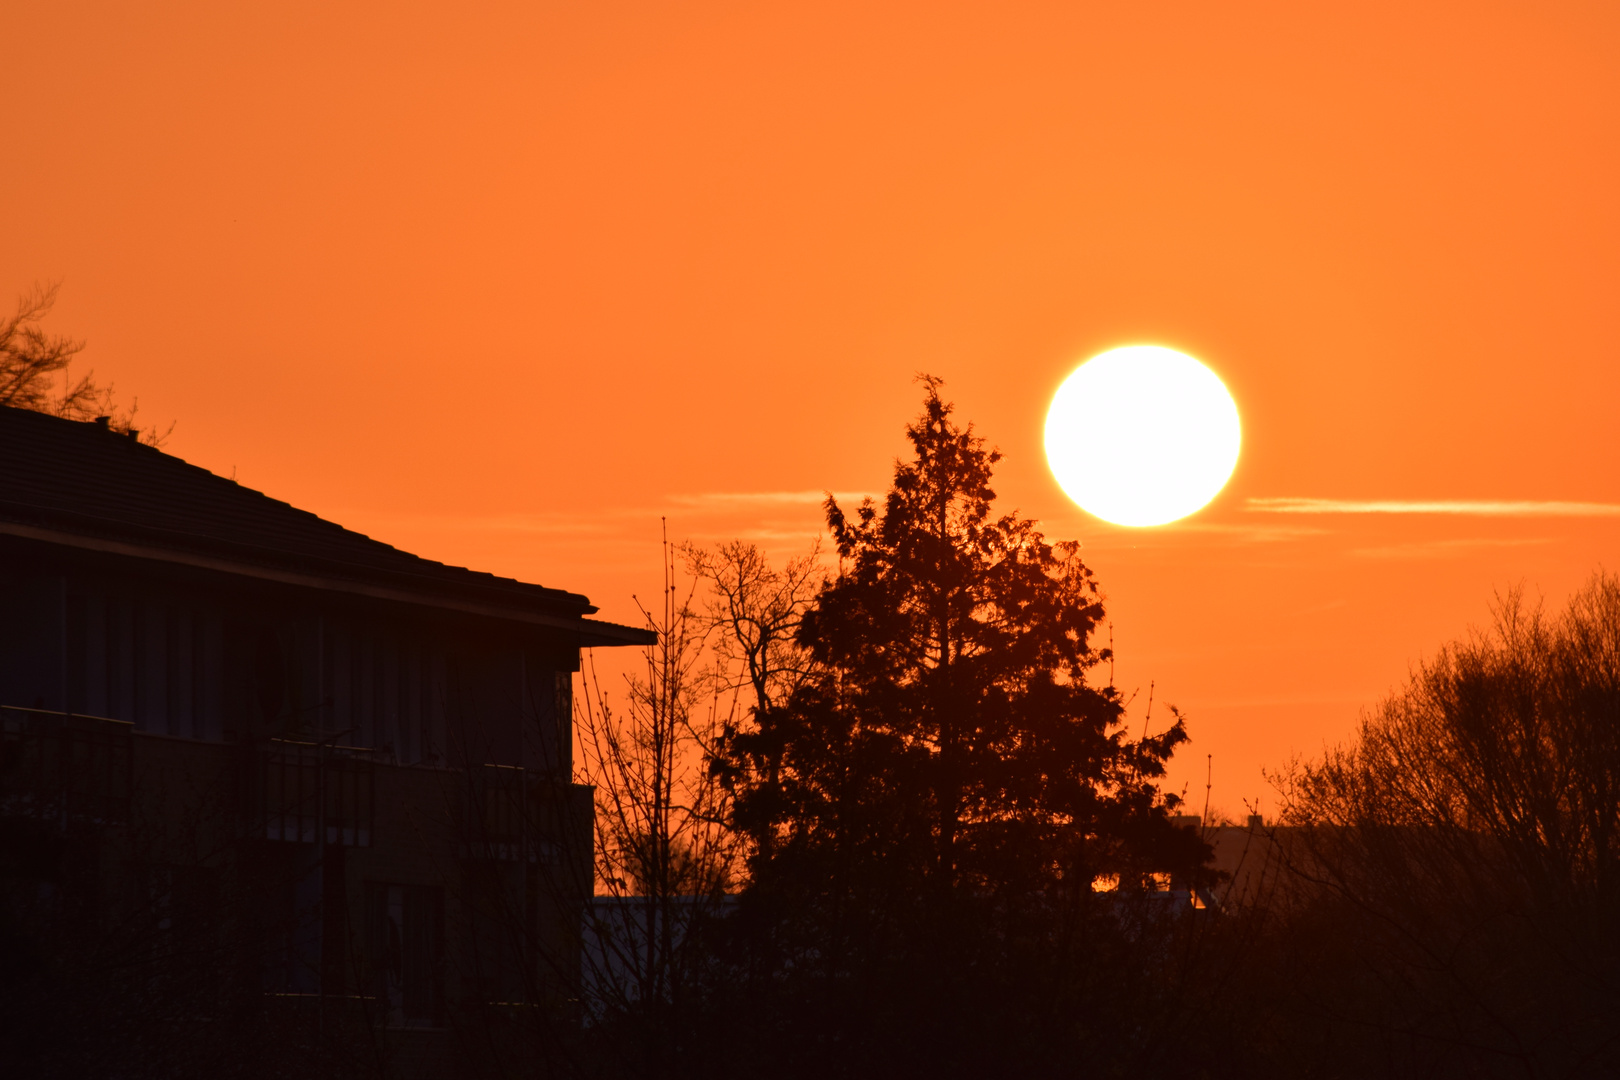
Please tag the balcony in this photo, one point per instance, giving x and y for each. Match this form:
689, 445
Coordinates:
303, 790
63, 767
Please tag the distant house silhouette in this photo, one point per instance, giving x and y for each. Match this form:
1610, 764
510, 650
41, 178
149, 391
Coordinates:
341, 771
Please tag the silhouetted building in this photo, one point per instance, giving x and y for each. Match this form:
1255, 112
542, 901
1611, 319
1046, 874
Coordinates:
334, 774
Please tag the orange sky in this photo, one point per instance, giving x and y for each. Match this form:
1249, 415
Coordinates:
504, 287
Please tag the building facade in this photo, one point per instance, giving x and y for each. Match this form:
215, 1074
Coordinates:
332, 777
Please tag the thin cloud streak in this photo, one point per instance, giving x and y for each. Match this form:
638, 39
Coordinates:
1453, 507
606, 521
594, 524
1441, 549
1257, 533
770, 498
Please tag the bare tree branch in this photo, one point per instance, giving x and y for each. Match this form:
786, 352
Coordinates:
32, 359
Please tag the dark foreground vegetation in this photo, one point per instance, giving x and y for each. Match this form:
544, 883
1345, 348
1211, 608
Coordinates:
889, 820
960, 863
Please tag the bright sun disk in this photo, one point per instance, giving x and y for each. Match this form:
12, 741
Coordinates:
1142, 435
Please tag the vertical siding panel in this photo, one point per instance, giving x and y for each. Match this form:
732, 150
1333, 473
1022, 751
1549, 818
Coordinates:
433, 733
76, 647
309, 710
210, 677
338, 669
410, 714
365, 721
121, 659
95, 656
182, 712
388, 694
152, 710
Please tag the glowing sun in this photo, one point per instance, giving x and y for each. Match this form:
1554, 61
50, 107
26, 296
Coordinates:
1142, 435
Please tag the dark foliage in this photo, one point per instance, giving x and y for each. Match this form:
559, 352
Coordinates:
962, 864
933, 809
949, 741
1454, 907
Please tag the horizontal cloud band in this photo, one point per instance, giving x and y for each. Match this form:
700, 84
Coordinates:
1435, 506
748, 498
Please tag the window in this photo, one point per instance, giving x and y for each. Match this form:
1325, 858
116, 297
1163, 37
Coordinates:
404, 932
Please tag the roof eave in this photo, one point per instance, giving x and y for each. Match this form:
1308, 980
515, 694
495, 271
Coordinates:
598, 633
588, 632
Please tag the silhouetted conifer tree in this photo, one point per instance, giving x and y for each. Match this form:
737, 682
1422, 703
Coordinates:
934, 809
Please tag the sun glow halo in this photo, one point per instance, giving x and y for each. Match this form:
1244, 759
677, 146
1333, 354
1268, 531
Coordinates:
1142, 435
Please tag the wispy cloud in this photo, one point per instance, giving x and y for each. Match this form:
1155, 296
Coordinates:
1442, 549
1258, 533
543, 524
1453, 507
1101, 536
771, 516
719, 499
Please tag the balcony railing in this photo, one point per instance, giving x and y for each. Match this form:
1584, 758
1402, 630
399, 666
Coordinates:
512, 814
305, 788
64, 767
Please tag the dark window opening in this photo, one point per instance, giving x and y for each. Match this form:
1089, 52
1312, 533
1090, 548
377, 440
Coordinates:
404, 936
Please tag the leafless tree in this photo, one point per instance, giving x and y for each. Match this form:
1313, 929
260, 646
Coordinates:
665, 856
754, 612
31, 359
1459, 871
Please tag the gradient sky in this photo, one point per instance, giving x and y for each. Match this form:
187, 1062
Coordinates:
503, 285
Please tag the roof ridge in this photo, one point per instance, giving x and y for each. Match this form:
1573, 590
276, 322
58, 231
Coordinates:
168, 501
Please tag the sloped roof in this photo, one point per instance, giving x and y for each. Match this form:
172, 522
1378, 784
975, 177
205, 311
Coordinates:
80, 483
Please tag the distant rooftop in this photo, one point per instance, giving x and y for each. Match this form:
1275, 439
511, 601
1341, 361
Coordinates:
81, 484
